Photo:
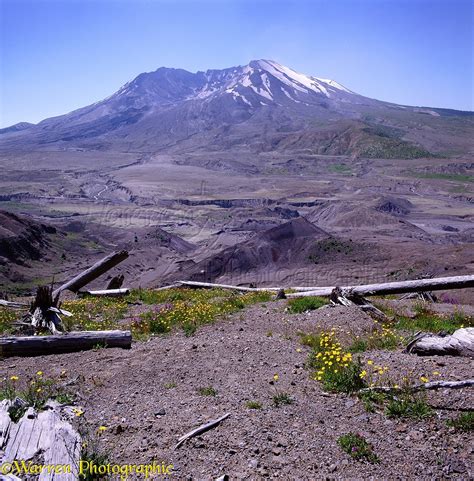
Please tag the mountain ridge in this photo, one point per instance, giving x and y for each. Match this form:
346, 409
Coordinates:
262, 100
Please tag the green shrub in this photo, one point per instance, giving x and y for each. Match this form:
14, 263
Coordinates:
344, 379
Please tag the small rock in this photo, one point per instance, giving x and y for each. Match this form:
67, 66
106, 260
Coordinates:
332, 468
160, 412
253, 463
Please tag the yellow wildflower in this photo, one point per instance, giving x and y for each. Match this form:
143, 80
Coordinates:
14, 378
276, 377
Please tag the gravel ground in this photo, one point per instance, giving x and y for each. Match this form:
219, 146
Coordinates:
130, 393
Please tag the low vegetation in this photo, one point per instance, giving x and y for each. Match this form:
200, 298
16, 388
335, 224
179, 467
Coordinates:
282, 398
357, 447
381, 338
207, 391
303, 304
253, 405
408, 405
429, 321
94, 313
7, 317
464, 422
189, 308
335, 368
33, 392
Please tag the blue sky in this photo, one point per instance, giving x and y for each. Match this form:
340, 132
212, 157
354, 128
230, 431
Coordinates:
58, 55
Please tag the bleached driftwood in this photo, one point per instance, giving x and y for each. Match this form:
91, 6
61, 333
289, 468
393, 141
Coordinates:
427, 386
44, 434
201, 429
209, 285
13, 305
106, 293
165, 288
67, 342
400, 287
99, 268
460, 343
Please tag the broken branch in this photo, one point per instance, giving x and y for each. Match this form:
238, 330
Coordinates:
201, 429
423, 387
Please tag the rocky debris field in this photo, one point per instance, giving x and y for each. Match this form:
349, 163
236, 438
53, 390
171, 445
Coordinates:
282, 424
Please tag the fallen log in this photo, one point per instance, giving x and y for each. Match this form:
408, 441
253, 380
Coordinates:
400, 287
209, 285
99, 268
201, 429
59, 344
165, 288
426, 386
460, 343
106, 293
13, 305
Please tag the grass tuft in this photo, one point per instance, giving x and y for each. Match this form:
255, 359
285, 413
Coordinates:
464, 422
408, 406
357, 447
282, 398
303, 304
207, 391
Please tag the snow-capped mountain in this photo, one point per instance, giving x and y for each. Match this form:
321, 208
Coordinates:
263, 105
259, 83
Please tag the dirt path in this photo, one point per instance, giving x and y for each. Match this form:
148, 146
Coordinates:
148, 397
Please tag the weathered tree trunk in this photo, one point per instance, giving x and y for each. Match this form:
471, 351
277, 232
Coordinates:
209, 285
106, 293
70, 342
93, 272
350, 298
44, 435
419, 285
44, 312
460, 343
